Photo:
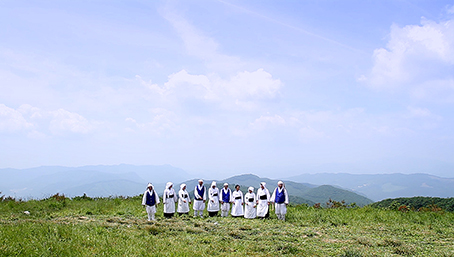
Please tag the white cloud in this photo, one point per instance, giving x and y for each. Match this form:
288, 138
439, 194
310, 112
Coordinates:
440, 89
63, 121
267, 121
424, 118
30, 111
200, 45
161, 121
415, 56
419, 112
238, 90
308, 134
34, 120
12, 120
151, 86
258, 84
227, 82
186, 85
450, 9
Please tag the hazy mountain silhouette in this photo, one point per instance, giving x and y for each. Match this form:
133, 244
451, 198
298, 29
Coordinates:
100, 180
381, 186
298, 192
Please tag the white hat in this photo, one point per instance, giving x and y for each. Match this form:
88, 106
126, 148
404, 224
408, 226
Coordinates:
213, 183
200, 180
263, 184
280, 183
149, 185
226, 184
251, 189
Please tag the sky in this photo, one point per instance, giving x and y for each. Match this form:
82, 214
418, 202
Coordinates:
275, 88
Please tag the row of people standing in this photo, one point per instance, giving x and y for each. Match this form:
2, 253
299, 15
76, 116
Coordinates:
255, 205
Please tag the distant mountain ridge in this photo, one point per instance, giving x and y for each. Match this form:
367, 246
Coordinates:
129, 180
381, 186
99, 180
298, 192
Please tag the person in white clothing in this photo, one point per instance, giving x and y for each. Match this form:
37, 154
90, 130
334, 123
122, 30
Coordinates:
226, 198
213, 200
199, 199
149, 201
169, 199
183, 200
250, 204
280, 198
237, 207
263, 201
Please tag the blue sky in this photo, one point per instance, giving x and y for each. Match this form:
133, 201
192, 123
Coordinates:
275, 88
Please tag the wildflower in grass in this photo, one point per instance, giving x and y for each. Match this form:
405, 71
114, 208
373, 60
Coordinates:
150, 200
226, 198
199, 199
213, 200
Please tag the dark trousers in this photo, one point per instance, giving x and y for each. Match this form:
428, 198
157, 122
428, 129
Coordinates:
168, 215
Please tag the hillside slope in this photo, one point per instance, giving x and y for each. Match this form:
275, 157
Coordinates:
299, 192
381, 186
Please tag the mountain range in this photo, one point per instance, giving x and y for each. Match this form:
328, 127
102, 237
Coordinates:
130, 180
298, 192
382, 186
99, 181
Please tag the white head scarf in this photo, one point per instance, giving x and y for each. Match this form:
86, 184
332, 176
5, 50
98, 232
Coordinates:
226, 184
251, 189
182, 186
263, 184
168, 185
213, 183
150, 185
281, 183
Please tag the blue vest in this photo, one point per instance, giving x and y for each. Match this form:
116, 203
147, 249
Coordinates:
151, 199
226, 196
280, 197
200, 192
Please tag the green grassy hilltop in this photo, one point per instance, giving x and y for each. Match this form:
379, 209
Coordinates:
82, 226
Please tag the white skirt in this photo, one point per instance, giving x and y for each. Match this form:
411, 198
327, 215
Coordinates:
183, 207
237, 208
213, 205
249, 210
262, 208
169, 205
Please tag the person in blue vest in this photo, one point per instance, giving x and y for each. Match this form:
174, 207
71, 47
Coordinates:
150, 200
199, 199
280, 198
226, 198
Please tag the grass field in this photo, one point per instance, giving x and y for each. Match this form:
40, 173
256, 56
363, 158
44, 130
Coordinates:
60, 226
